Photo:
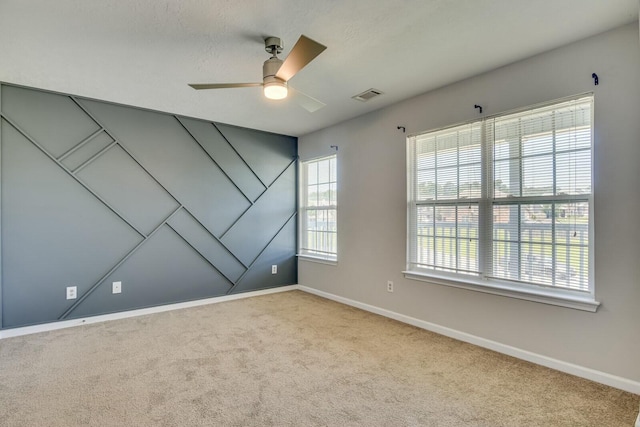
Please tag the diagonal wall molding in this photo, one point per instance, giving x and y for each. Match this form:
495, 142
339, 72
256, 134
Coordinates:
85, 295
136, 171
63, 167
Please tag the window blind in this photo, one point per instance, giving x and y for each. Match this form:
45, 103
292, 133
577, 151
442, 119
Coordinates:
539, 163
507, 198
446, 187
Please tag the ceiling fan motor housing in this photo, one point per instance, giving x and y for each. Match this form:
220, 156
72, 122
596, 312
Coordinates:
269, 70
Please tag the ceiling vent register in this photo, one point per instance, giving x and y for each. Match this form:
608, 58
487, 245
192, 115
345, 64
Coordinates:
367, 95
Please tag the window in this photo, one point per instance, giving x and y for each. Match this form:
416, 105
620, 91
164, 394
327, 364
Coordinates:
318, 208
505, 202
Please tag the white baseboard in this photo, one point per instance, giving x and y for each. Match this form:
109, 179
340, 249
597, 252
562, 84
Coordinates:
559, 365
26, 330
580, 371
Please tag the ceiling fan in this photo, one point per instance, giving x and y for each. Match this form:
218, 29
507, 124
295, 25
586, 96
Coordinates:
276, 72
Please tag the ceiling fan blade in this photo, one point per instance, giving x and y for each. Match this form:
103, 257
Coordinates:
303, 52
223, 85
307, 102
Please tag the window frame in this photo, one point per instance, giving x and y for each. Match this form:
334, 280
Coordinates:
315, 254
484, 282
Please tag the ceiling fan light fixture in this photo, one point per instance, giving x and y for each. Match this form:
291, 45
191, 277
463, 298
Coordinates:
276, 72
276, 90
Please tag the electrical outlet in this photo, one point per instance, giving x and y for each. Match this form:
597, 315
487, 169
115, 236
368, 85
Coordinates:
72, 292
389, 286
274, 269
116, 287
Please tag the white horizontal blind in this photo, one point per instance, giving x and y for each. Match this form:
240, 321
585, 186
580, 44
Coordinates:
506, 198
445, 189
540, 166
319, 200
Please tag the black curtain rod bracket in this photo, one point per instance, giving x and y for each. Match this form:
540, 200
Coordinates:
404, 130
594, 76
479, 107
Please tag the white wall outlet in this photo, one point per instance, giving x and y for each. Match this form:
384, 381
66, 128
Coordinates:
274, 269
72, 292
389, 286
116, 288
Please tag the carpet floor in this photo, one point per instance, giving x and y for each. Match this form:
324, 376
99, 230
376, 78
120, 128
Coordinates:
285, 359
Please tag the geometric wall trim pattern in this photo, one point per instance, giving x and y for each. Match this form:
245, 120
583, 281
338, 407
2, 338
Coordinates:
175, 208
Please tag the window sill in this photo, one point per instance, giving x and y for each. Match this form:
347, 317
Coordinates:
585, 303
319, 260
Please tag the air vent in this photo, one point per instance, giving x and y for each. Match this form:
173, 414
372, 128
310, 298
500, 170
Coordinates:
367, 95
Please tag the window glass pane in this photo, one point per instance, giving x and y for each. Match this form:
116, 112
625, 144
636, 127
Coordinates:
504, 149
447, 237
332, 243
468, 237
506, 175
573, 172
468, 255
470, 151
572, 223
312, 195
445, 221
333, 199
502, 266
426, 185
425, 225
573, 139
537, 176
506, 252
425, 251
537, 144
311, 240
536, 263
538, 121
323, 172
447, 183
536, 223
470, 181
332, 223
324, 195
311, 220
468, 221
505, 222
447, 150
572, 269
445, 253
312, 173
425, 153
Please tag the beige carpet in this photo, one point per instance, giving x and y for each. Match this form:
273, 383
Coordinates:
288, 359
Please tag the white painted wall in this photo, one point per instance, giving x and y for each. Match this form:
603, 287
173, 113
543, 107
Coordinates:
372, 206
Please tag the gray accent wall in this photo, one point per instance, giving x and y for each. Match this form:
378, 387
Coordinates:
175, 208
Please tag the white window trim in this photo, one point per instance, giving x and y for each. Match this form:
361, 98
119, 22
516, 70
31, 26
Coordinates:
329, 258
320, 260
554, 296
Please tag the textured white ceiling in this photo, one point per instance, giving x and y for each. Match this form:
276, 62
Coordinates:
144, 52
